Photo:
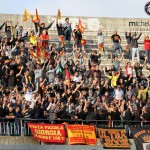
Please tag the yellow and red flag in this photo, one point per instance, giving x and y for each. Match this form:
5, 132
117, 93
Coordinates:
81, 28
42, 53
36, 17
32, 52
59, 14
83, 42
26, 15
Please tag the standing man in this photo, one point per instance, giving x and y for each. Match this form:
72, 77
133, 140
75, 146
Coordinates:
68, 30
128, 47
147, 48
61, 34
116, 41
100, 38
78, 36
134, 46
42, 27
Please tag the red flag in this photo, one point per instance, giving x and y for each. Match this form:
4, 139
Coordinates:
36, 17
81, 28
33, 54
83, 42
67, 74
59, 14
41, 51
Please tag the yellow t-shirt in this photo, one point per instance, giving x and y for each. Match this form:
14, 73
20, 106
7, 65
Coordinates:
33, 39
143, 93
113, 80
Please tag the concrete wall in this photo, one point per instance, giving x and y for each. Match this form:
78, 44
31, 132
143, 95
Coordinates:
53, 147
29, 143
93, 23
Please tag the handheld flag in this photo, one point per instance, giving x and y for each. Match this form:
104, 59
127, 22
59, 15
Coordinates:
59, 14
41, 51
83, 42
26, 15
81, 28
34, 55
36, 17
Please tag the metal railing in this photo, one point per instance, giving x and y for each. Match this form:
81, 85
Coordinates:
19, 127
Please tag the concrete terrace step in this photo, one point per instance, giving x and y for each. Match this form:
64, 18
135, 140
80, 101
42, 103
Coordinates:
94, 45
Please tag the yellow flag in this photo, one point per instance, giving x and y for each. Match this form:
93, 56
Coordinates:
59, 14
26, 15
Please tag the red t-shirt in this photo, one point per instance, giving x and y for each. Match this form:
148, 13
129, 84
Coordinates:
44, 38
129, 70
147, 44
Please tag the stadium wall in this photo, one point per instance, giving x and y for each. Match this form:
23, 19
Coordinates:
29, 143
92, 23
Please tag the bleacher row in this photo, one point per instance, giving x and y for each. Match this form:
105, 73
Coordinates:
91, 45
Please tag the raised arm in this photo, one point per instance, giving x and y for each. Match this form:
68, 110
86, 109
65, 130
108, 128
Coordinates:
111, 40
2, 26
19, 72
44, 65
145, 60
122, 57
78, 86
139, 36
137, 85
125, 64
105, 73
111, 57
148, 83
36, 26
16, 25
48, 27
126, 34
120, 41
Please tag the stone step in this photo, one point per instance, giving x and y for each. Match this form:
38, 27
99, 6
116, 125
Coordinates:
94, 37
94, 46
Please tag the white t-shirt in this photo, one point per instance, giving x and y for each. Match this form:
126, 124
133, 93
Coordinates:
77, 79
100, 38
119, 94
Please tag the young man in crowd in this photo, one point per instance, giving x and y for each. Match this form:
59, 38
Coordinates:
68, 30
134, 46
116, 43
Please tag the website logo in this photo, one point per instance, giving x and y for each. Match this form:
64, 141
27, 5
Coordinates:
147, 8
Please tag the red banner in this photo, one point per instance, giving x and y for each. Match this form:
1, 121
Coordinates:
81, 134
48, 132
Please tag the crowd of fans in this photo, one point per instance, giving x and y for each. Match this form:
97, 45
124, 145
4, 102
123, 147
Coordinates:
62, 86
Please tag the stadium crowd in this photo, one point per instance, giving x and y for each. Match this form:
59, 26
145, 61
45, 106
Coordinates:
61, 86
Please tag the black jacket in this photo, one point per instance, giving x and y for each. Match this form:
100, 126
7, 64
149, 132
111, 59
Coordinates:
2, 26
128, 38
60, 30
41, 29
134, 42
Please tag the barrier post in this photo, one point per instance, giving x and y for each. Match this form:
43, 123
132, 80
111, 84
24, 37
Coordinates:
22, 128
